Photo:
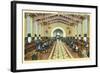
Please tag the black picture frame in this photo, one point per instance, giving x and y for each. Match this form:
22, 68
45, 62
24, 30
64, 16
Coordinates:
13, 35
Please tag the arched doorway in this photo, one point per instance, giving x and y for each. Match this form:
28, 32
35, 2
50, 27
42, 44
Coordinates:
58, 31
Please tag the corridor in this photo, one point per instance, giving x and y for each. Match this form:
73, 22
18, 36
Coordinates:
59, 51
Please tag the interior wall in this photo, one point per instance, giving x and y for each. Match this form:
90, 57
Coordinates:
33, 27
82, 28
69, 30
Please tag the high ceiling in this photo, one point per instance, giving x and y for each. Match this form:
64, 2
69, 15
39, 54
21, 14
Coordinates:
48, 18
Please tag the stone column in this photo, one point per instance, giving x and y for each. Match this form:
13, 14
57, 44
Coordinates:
79, 28
36, 28
39, 26
28, 24
85, 25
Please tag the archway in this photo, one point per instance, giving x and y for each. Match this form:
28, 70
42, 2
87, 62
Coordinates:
58, 31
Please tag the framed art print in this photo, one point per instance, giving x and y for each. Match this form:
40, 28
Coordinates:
47, 36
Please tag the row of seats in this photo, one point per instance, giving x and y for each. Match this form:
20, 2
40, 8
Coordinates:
43, 45
38, 44
78, 44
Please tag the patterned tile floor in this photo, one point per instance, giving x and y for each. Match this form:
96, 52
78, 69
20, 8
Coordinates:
59, 51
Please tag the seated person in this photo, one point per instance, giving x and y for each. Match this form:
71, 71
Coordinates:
38, 44
35, 37
79, 38
75, 37
45, 45
86, 44
34, 56
29, 38
40, 37
85, 38
76, 48
84, 53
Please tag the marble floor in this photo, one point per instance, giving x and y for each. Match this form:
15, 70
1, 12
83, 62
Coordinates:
60, 51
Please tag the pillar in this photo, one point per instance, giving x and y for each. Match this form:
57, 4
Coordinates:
86, 25
36, 28
39, 26
28, 24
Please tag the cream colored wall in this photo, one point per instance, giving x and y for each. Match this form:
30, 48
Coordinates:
42, 28
30, 28
64, 26
86, 26
81, 28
